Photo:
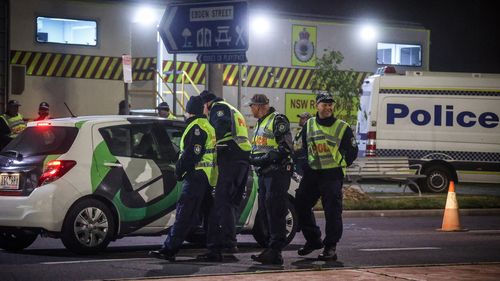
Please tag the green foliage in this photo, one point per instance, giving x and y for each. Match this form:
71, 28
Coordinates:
342, 84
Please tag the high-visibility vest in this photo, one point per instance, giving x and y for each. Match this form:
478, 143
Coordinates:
239, 130
323, 145
208, 162
171, 116
264, 139
15, 123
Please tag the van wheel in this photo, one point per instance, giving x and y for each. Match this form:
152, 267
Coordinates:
437, 180
16, 240
261, 233
88, 227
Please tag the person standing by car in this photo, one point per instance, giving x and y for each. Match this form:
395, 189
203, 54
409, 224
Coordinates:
233, 151
271, 148
164, 111
123, 108
331, 147
197, 168
43, 112
299, 154
11, 123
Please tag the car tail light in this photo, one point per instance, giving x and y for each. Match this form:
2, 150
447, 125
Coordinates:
54, 170
43, 124
371, 144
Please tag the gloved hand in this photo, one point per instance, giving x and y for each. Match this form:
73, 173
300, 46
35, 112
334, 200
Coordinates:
180, 176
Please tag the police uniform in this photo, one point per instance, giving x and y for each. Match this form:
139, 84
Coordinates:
166, 107
43, 112
331, 147
11, 125
271, 148
233, 151
197, 168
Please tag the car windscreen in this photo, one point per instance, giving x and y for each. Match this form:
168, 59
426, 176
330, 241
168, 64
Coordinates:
41, 140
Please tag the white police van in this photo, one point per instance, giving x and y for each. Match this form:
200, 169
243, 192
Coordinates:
446, 122
93, 179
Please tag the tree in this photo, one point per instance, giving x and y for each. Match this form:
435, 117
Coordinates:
342, 84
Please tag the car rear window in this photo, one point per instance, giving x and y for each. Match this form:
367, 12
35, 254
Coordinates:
42, 140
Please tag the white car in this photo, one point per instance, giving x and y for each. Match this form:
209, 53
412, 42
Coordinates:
90, 180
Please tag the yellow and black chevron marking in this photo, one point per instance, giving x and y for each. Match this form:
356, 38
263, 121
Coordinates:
143, 69
276, 77
82, 66
196, 71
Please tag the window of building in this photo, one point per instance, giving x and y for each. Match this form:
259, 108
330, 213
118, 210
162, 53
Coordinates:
399, 54
66, 31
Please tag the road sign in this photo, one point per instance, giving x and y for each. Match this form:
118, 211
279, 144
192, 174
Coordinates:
127, 68
214, 27
232, 57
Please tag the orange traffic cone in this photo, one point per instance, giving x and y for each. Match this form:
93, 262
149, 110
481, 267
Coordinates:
451, 220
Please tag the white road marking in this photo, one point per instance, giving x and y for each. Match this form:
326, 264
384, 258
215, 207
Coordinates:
485, 230
399, 249
90, 261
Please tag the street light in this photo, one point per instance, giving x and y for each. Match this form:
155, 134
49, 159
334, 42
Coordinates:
368, 32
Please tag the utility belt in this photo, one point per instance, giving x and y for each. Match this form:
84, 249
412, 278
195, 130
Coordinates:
285, 166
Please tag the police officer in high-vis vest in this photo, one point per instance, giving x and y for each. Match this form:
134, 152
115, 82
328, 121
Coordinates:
233, 151
331, 147
271, 148
299, 154
11, 123
197, 168
164, 111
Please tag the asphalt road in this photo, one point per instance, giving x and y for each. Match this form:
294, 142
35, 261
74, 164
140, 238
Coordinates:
379, 241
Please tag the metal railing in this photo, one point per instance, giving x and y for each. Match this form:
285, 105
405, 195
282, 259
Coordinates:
184, 95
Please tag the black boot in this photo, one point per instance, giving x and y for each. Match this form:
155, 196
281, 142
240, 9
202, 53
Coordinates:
163, 253
328, 254
211, 256
309, 248
269, 256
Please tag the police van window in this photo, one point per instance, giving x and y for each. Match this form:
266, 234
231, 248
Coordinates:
66, 31
399, 54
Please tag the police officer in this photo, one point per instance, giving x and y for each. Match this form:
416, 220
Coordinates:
11, 123
164, 111
271, 148
331, 147
233, 151
299, 154
43, 112
197, 167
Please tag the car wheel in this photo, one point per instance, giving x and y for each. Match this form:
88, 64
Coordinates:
437, 180
88, 227
261, 233
16, 240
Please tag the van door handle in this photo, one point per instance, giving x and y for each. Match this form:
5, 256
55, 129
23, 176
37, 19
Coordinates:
113, 165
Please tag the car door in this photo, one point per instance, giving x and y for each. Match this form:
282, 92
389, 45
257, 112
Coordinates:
136, 176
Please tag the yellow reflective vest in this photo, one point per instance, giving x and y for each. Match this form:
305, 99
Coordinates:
323, 145
208, 162
264, 139
15, 123
239, 130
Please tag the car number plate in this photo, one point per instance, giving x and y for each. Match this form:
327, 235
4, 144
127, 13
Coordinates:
9, 181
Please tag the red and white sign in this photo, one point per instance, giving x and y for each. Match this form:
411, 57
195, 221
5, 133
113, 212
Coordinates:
127, 68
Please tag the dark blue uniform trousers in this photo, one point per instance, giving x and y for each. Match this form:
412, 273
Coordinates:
313, 186
273, 196
195, 191
231, 184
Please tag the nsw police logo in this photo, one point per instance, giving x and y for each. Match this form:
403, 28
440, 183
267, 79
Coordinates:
220, 113
196, 132
197, 149
281, 128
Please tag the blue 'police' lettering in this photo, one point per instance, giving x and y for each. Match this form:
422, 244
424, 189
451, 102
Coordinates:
422, 117
426, 117
391, 112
